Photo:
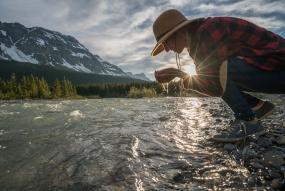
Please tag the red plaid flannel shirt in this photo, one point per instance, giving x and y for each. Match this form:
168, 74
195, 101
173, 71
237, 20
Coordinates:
218, 38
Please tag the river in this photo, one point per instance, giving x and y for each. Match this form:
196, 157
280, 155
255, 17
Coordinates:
116, 144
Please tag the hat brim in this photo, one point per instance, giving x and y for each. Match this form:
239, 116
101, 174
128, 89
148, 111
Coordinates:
159, 46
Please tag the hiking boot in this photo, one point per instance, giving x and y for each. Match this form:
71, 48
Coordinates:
240, 130
265, 110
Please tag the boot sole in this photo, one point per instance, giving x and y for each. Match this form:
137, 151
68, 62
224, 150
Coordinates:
266, 114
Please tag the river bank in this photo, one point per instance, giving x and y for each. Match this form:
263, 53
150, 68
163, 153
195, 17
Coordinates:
263, 157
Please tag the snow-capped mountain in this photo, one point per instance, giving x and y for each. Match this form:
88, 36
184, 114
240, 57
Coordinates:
140, 76
45, 47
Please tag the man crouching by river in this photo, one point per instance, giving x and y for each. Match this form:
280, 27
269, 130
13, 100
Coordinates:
231, 56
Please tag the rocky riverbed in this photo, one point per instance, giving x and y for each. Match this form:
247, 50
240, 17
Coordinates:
263, 156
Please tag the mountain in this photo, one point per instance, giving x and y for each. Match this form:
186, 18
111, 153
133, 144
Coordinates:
140, 76
45, 47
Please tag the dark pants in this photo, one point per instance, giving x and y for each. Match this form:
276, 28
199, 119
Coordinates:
244, 77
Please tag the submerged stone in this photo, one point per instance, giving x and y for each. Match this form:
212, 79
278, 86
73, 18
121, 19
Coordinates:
280, 140
273, 159
229, 147
276, 184
183, 177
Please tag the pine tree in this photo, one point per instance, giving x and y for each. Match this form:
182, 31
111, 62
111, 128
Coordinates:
19, 93
65, 92
57, 90
13, 83
33, 87
43, 89
11, 87
25, 87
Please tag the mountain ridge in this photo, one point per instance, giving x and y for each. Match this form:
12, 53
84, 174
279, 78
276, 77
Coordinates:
42, 46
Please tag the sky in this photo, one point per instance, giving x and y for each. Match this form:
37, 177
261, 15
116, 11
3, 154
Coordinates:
120, 31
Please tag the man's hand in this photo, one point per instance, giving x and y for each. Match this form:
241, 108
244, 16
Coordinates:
168, 74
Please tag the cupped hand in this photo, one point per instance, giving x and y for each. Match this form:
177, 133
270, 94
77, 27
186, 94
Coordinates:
168, 74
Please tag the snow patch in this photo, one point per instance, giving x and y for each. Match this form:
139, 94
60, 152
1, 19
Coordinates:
82, 68
78, 67
17, 54
66, 64
78, 46
49, 35
80, 55
40, 42
55, 48
61, 39
54, 36
3, 32
111, 73
3, 57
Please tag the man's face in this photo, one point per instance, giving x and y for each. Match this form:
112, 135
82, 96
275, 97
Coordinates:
174, 43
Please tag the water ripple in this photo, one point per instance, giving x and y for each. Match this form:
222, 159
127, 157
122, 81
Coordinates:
116, 144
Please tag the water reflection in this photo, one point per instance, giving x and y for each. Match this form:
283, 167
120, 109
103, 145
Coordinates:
114, 144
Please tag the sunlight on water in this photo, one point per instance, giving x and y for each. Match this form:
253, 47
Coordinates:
135, 147
114, 144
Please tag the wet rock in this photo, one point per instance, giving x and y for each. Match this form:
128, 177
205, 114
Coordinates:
255, 164
70, 170
265, 174
248, 153
274, 174
261, 149
264, 142
163, 118
279, 131
273, 159
183, 177
229, 147
182, 165
283, 171
252, 138
276, 184
218, 120
280, 140
220, 145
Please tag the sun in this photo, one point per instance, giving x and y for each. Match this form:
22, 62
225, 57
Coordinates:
189, 69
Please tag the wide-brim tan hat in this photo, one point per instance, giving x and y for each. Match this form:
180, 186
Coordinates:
165, 25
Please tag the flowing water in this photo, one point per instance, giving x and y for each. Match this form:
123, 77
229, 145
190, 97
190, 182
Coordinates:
116, 144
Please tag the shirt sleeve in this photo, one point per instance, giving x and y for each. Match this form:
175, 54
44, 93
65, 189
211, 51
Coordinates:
211, 52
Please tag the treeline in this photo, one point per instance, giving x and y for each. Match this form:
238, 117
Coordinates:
147, 89
31, 87
115, 89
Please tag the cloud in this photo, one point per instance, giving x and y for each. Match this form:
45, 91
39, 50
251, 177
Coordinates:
245, 6
120, 31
